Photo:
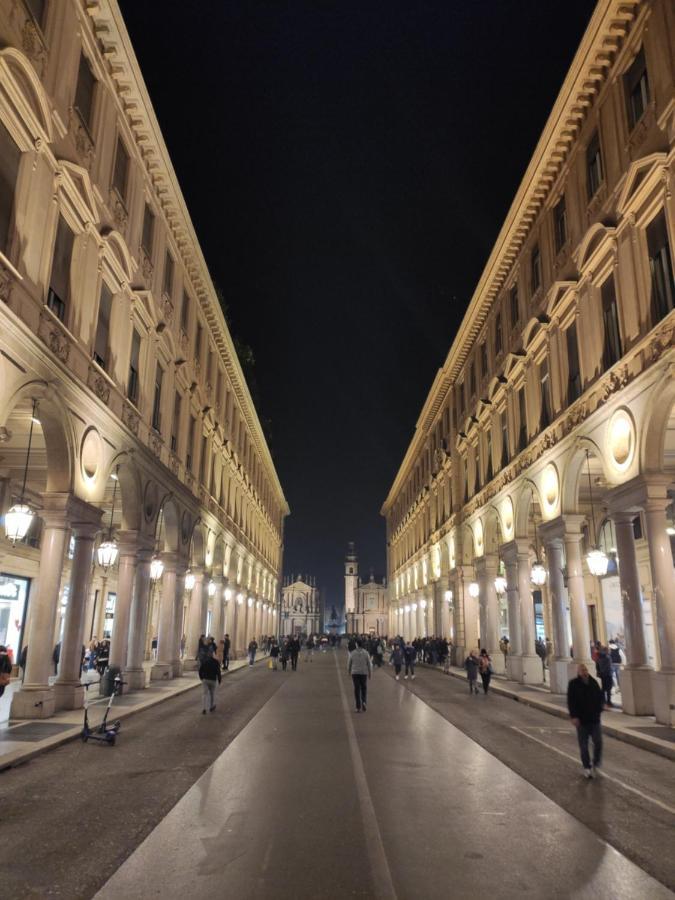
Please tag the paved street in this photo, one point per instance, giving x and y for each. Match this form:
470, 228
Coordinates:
284, 790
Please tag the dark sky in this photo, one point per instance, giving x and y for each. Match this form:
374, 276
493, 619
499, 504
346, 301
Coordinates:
347, 166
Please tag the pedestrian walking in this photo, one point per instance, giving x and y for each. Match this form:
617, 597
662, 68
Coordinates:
284, 654
584, 702
209, 675
615, 659
471, 665
309, 649
409, 656
603, 668
485, 669
360, 667
397, 660
226, 652
252, 648
294, 648
274, 655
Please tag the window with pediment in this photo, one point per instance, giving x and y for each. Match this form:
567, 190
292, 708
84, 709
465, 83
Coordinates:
85, 90
661, 268
636, 83
612, 350
58, 295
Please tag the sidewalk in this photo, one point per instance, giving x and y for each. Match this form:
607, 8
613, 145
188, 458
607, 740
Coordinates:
641, 731
22, 740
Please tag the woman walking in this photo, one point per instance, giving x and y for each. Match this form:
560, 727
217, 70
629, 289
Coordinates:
485, 668
409, 655
274, 655
209, 675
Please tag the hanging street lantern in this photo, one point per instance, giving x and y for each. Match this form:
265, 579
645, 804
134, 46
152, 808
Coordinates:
108, 549
538, 574
596, 558
474, 589
189, 580
19, 517
500, 585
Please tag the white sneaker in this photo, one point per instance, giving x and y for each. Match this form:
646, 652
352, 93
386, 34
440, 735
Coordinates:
412, 677
588, 773
405, 677
397, 677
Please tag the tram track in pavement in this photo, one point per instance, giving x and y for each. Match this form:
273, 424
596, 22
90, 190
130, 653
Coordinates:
632, 809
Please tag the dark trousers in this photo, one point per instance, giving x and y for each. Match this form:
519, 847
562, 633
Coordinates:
591, 731
410, 666
360, 689
294, 661
607, 685
226, 661
485, 678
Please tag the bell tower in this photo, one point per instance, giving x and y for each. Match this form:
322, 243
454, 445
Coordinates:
351, 585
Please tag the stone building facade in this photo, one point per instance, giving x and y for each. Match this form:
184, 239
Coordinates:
300, 606
118, 371
545, 450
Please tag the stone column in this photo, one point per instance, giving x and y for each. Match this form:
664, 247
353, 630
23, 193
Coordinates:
35, 699
466, 612
581, 635
636, 695
552, 533
234, 623
442, 607
68, 688
486, 570
663, 588
523, 664
134, 673
126, 574
178, 607
510, 556
196, 620
163, 667
217, 607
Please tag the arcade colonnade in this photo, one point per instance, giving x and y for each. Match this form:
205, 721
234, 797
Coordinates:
125, 417
536, 498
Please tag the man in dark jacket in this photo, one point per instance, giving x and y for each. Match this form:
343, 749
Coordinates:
226, 652
585, 703
209, 675
603, 669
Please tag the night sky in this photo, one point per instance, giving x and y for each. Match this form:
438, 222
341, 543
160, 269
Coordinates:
347, 166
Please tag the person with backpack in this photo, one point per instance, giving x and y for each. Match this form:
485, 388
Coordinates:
603, 668
252, 648
209, 675
471, 664
485, 669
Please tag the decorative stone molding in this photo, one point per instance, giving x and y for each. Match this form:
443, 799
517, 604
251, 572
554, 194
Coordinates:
155, 443
119, 213
147, 267
130, 417
5, 283
597, 202
50, 331
167, 309
641, 130
98, 384
83, 142
33, 45
174, 464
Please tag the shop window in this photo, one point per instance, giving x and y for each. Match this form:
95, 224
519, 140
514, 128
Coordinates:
59, 280
14, 595
121, 170
167, 286
594, 169
522, 417
546, 405
175, 424
535, 269
483, 360
185, 313
37, 9
488, 454
661, 268
10, 157
148, 230
110, 602
504, 424
560, 224
612, 351
157, 401
134, 367
191, 443
102, 340
573, 368
637, 89
84, 93
499, 338
513, 303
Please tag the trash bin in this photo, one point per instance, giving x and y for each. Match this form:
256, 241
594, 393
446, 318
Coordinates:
108, 680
